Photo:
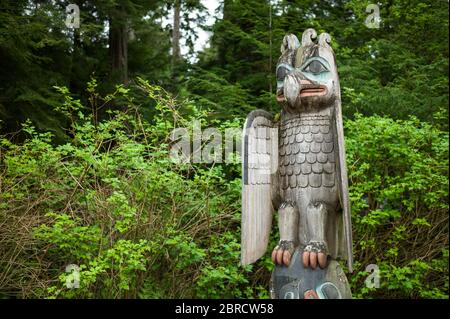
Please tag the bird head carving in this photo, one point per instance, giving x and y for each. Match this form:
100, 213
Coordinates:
307, 75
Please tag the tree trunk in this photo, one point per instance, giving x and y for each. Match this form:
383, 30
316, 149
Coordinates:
118, 49
76, 54
222, 45
176, 55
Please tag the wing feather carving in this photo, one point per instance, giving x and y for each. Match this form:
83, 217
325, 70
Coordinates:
259, 166
343, 186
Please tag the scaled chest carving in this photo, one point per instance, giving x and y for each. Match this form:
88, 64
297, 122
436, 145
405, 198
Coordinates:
306, 152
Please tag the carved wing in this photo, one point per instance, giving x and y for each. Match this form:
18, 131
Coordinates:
343, 187
259, 166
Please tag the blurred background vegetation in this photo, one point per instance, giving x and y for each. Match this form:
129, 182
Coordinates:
86, 116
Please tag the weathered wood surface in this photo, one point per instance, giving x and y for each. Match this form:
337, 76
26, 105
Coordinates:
260, 157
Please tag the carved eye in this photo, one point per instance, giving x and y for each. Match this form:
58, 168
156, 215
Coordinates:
282, 71
315, 67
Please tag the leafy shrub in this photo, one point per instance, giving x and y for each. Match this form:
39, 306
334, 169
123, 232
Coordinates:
111, 201
399, 192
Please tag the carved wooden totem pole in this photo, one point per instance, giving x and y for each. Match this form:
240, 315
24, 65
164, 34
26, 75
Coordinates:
296, 166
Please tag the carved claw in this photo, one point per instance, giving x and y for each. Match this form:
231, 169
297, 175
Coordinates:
315, 253
287, 204
282, 253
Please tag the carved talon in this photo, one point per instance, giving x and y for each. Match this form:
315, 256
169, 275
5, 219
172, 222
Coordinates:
315, 253
282, 253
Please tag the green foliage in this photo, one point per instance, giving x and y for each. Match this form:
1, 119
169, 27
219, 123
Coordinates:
213, 92
223, 278
399, 193
110, 275
111, 201
68, 237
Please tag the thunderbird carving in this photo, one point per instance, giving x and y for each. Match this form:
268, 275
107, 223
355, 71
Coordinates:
296, 166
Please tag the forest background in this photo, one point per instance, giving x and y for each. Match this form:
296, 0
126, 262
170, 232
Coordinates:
87, 186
